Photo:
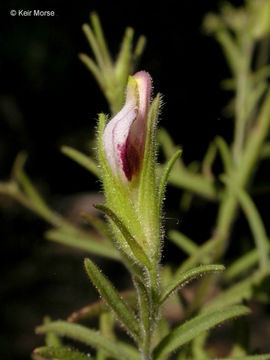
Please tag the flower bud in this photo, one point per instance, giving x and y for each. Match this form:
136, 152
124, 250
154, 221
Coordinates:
124, 136
128, 166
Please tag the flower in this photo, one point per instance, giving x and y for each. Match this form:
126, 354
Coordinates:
124, 136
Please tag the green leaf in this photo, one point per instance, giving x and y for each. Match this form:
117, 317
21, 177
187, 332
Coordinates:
208, 160
113, 299
100, 38
164, 178
255, 222
134, 245
231, 50
238, 292
97, 308
145, 311
249, 357
99, 225
196, 183
168, 146
207, 248
90, 244
39, 204
51, 338
224, 153
242, 264
185, 277
183, 242
122, 65
106, 327
139, 48
81, 159
194, 327
90, 337
94, 45
60, 353
90, 64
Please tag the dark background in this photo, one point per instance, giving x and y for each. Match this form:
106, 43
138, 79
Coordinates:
48, 98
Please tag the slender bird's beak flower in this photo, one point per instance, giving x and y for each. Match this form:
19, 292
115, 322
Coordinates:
128, 165
124, 136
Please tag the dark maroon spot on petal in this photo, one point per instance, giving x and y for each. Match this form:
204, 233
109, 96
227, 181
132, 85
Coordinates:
130, 159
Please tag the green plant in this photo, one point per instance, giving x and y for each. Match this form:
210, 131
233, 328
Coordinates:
134, 185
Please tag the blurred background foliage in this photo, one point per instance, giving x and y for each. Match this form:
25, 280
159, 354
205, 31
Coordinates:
49, 99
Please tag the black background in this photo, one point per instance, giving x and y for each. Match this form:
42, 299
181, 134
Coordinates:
48, 98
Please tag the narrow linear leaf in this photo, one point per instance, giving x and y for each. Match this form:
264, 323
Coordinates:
224, 153
51, 338
94, 45
167, 145
144, 308
97, 308
98, 224
208, 160
93, 246
255, 96
113, 299
60, 353
186, 276
164, 177
207, 248
196, 183
139, 48
106, 327
248, 357
124, 56
242, 264
265, 152
89, 337
231, 50
90, 64
100, 38
28, 186
81, 159
243, 290
134, 245
183, 242
194, 327
255, 222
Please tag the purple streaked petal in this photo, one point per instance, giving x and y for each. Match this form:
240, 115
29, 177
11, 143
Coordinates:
124, 136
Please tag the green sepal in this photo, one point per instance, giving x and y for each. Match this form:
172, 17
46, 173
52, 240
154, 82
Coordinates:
194, 327
185, 277
135, 247
118, 199
147, 192
112, 298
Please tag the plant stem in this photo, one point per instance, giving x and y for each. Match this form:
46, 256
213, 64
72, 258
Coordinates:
242, 92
